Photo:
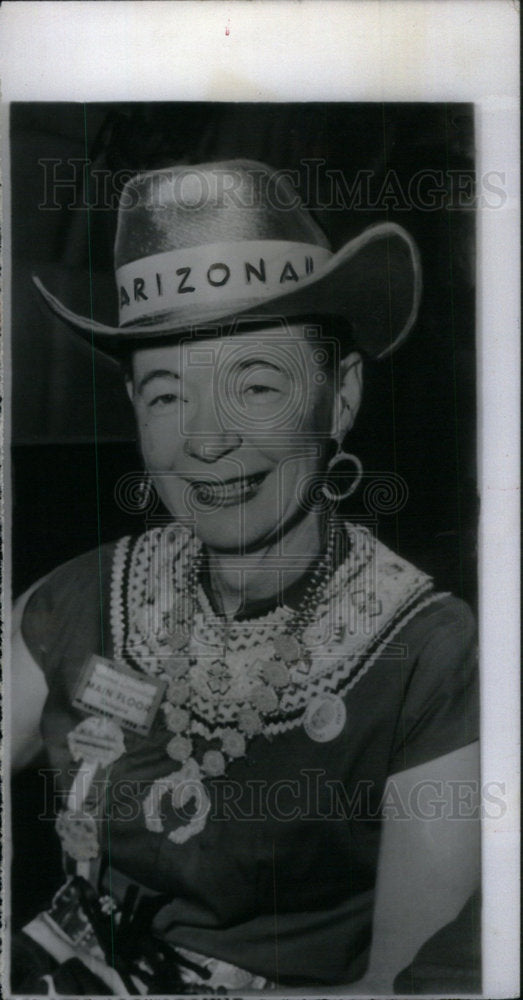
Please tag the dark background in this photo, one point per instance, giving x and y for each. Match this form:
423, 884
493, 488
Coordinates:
72, 429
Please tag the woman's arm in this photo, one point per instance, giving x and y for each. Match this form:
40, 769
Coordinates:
429, 859
28, 693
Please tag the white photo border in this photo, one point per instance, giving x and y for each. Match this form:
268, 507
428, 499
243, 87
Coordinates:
327, 50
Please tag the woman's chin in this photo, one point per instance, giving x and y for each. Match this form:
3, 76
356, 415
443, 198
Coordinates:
231, 529
249, 525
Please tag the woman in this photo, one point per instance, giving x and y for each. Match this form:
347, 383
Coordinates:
235, 700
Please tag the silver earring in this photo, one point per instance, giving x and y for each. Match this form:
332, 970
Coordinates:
337, 459
144, 492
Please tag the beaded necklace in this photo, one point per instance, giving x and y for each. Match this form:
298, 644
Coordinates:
265, 699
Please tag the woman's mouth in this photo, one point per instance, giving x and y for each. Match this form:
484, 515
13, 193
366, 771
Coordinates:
209, 495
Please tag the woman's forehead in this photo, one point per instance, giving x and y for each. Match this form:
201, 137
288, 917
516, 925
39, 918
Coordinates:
283, 345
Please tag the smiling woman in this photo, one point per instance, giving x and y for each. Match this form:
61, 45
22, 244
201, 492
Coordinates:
238, 420
229, 700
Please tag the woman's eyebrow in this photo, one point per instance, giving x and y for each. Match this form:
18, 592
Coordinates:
259, 363
157, 373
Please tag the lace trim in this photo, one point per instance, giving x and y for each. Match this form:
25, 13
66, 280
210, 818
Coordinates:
364, 605
117, 613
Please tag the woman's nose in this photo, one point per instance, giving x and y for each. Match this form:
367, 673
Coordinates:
210, 447
205, 436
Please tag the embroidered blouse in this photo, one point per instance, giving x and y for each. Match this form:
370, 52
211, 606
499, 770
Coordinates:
280, 879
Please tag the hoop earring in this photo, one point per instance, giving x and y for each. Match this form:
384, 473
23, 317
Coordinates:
343, 456
144, 492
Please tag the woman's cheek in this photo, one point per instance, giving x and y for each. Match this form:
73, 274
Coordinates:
157, 443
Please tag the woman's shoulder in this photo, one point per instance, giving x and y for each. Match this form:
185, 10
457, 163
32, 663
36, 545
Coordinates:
67, 606
406, 607
74, 572
435, 641
73, 589
442, 641
393, 575
445, 614
84, 583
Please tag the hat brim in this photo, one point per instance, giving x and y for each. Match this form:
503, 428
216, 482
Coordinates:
374, 282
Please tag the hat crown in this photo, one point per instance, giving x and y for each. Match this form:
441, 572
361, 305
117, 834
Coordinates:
188, 206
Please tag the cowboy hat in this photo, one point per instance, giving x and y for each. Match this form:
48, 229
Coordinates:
206, 244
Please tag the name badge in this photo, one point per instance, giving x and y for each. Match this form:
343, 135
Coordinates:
109, 689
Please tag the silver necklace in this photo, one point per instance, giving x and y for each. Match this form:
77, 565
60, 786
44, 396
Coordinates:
264, 701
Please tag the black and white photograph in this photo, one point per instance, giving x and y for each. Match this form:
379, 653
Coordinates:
244, 538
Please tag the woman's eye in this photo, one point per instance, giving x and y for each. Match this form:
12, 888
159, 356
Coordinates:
258, 390
165, 399
260, 393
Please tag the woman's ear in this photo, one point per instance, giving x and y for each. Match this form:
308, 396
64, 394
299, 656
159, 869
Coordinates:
348, 395
129, 385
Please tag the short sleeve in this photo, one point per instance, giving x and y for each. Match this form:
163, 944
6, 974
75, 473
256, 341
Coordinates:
37, 626
440, 710
63, 616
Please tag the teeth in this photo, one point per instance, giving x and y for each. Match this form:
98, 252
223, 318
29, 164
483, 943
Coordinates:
208, 493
